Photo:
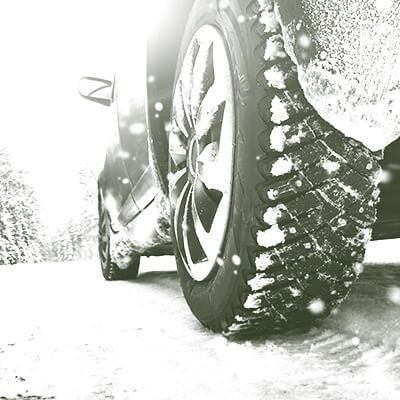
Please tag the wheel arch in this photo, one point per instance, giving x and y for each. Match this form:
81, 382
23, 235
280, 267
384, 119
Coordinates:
162, 55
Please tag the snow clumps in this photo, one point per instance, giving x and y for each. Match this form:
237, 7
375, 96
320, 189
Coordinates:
270, 237
274, 214
281, 166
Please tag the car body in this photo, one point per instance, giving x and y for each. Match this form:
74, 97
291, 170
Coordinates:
136, 166
219, 158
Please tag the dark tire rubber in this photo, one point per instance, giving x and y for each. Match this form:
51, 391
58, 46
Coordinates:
300, 229
110, 269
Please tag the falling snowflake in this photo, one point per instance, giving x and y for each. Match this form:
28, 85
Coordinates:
393, 295
137, 128
220, 261
236, 260
316, 306
355, 341
358, 269
159, 106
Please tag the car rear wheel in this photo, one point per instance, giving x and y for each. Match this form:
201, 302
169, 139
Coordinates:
111, 270
271, 207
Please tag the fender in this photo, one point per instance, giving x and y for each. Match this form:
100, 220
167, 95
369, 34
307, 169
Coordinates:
162, 55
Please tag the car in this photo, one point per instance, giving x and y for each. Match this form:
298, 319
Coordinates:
223, 163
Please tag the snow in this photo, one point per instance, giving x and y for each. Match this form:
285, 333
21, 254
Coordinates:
278, 137
66, 333
274, 48
272, 194
281, 166
275, 77
270, 237
269, 21
278, 110
353, 81
263, 262
274, 214
330, 166
260, 282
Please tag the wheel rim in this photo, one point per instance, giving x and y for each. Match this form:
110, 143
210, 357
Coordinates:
104, 237
201, 148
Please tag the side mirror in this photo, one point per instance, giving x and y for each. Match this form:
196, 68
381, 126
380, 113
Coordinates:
98, 90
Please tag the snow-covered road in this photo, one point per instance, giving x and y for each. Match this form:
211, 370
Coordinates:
67, 334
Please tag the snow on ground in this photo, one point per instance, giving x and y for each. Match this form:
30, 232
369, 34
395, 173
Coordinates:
67, 334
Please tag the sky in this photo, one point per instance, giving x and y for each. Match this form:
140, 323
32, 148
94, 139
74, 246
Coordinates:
46, 46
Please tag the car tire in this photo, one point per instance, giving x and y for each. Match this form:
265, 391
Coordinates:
302, 196
110, 269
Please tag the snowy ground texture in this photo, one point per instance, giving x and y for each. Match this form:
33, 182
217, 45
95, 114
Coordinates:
67, 334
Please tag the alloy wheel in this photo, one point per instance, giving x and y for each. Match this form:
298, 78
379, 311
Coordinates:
201, 147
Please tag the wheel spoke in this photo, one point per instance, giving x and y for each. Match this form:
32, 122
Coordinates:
211, 112
209, 245
187, 78
210, 173
177, 148
177, 183
203, 77
180, 113
206, 203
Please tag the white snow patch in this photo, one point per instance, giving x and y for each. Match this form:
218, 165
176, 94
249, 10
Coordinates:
355, 341
295, 292
266, 4
278, 110
383, 176
281, 166
270, 237
274, 214
268, 19
263, 262
348, 189
275, 77
278, 137
330, 166
259, 282
272, 194
274, 48
253, 301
